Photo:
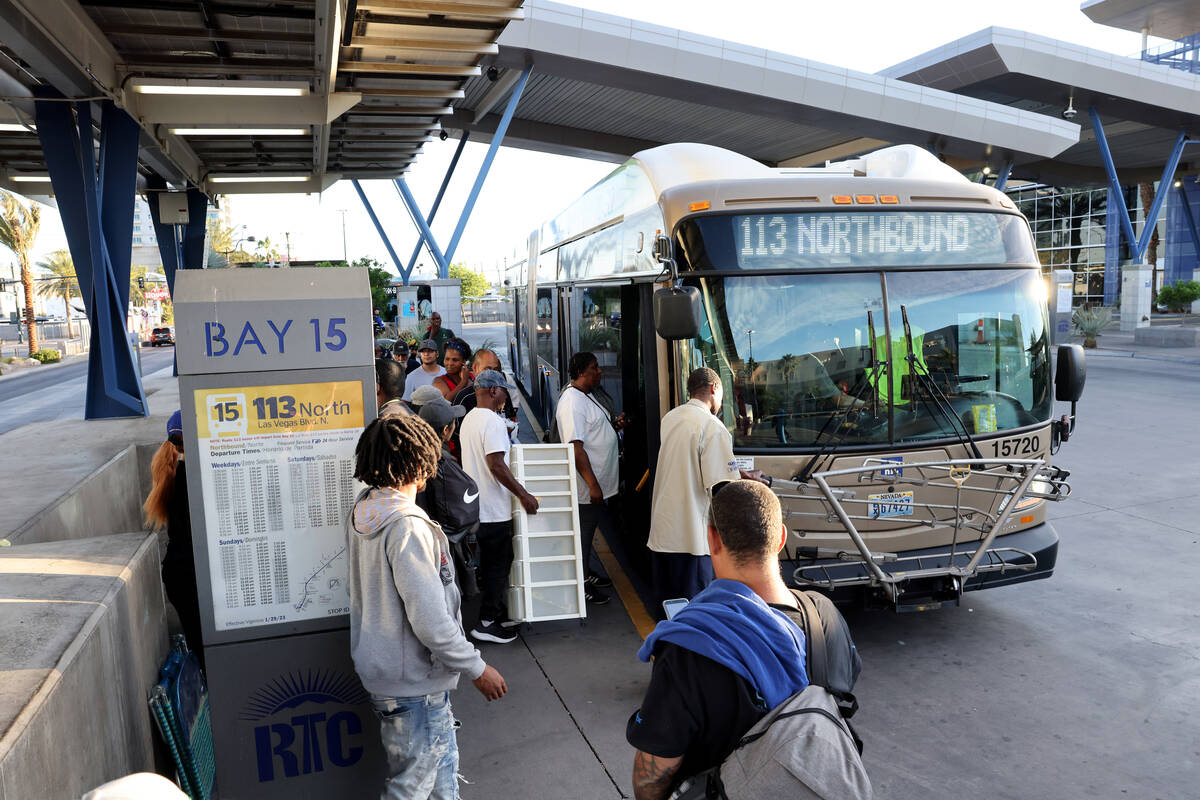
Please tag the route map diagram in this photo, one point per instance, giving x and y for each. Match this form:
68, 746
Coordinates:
311, 588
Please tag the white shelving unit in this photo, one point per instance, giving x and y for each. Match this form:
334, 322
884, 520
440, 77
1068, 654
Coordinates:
546, 581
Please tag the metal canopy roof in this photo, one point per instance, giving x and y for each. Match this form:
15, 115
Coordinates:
371, 80
1143, 106
1170, 19
606, 87
374, 78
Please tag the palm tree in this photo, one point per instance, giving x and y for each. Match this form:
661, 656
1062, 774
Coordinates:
787, 368
18, 229
59, 262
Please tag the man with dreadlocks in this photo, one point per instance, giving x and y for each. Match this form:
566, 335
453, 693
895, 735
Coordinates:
406, 635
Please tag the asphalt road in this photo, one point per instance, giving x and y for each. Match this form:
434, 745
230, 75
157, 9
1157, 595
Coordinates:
56, 392
1085, 685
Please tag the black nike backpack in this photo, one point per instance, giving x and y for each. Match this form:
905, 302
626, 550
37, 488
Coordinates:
451, 499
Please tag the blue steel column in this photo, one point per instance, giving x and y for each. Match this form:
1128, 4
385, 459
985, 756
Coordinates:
176, 254
1002, 178
1164, 186
97, 216
418, 219
437, 201
378, 227
1114, 185
497, 138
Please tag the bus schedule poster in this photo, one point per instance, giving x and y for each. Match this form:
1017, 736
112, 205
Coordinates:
277, 470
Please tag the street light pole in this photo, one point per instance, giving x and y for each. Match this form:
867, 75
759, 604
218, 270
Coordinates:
345, 256
288, 238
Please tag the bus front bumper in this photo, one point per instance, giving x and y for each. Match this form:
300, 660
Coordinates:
1026, 555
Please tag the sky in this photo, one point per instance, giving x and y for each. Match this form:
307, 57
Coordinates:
524, 188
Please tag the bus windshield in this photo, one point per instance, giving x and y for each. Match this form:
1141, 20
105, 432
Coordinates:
809, 358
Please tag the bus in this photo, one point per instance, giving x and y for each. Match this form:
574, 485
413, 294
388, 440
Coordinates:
880, 329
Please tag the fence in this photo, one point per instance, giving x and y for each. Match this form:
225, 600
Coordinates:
489, 310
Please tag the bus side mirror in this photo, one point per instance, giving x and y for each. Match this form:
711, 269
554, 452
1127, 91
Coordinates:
677, 312
1070, 373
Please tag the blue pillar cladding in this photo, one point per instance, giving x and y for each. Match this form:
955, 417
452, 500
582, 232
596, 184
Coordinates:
1112, 248
96, 206
1183, 233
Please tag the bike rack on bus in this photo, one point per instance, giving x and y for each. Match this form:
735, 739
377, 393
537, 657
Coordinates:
1012, 478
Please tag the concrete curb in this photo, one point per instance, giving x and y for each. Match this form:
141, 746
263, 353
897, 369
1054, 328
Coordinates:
25, 370
1145, 356
39, 699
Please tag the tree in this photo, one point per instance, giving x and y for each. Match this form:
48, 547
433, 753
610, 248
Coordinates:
19, 226
59, 262
787, 368
225, 244
380, 280
473, 283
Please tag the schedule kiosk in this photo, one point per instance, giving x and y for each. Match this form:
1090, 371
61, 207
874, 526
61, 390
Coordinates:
276, 381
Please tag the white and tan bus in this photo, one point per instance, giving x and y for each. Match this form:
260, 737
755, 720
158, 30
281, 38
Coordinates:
879, 326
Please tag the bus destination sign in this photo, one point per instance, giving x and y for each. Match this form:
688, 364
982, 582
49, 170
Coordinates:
775, 241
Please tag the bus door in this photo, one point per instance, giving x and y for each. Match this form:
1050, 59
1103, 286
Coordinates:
550, 380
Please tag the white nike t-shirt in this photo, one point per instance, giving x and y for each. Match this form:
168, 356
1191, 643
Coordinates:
484, 432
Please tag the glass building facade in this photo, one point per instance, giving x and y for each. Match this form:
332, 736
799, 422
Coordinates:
1073, 230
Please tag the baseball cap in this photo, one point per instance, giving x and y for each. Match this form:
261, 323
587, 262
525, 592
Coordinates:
426, 394
400, 346
428, 344
175, 423
491, 379
439, 413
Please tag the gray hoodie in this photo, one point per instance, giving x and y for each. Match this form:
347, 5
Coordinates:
406, 635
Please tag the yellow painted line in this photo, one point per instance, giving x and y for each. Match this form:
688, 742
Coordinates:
638, 615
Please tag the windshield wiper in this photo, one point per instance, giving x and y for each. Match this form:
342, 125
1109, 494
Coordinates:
830, 447
938, 400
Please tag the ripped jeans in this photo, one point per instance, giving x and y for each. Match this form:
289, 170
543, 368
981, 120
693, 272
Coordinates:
422, 751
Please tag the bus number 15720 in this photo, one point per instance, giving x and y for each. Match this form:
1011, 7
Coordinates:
1025, 445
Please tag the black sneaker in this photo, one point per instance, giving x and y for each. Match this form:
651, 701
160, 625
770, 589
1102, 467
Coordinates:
597, 581
594, 595
493, 632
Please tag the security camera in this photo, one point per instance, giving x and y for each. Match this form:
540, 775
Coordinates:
443, 136
1069, 112
493, 74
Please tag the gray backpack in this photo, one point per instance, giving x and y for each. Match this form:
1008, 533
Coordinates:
804, 748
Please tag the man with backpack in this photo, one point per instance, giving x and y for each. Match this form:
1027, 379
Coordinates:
450, 497
737, 654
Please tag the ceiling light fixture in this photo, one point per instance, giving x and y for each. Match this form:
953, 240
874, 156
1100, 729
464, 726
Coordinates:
29, 178
239, 131
223, 88
258, 178
13, 127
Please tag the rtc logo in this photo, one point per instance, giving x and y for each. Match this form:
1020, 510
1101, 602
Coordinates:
296, 739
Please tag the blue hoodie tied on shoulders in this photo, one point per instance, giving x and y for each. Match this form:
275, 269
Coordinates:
730, 624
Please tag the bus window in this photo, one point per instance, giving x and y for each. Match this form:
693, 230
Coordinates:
547, 344
599, 326
522, 367
981, 337
791, 351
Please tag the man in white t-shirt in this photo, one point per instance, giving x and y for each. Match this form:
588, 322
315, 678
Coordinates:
696, 455
424, 374
586, 424
485, 446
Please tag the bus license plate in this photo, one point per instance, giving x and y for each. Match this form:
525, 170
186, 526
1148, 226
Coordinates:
890, 504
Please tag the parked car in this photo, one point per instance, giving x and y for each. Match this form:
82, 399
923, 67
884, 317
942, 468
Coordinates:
162, 336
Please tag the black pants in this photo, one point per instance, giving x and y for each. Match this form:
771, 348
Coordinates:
179, 579
592, 516
495, 562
